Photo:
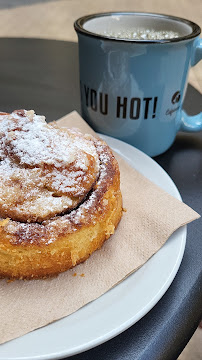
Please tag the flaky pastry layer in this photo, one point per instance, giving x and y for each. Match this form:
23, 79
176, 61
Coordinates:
31, 250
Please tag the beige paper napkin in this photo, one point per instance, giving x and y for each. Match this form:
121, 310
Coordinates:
152, 216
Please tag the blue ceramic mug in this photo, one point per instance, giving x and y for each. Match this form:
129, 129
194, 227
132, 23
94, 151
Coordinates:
134, 89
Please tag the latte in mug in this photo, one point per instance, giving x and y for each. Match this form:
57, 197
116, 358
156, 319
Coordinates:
133, 76
140, 34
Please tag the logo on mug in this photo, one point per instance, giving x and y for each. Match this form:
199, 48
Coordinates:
176, 97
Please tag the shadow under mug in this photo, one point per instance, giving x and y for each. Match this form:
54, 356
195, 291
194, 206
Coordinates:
134, 89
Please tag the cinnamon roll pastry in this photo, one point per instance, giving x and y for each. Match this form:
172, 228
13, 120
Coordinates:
60, 196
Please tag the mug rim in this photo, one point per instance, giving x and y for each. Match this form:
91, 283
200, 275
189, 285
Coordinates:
79, 23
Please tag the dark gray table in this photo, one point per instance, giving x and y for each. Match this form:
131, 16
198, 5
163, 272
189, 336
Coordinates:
43, 75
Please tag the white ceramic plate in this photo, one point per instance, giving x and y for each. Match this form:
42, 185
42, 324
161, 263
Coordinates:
120, 307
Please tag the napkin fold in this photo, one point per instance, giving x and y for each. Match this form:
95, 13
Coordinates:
152, 216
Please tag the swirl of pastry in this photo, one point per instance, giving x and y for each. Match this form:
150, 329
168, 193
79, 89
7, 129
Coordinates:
55, 189
41, 163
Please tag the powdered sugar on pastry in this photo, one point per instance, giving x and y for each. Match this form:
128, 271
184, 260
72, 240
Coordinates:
60, 196
40, 163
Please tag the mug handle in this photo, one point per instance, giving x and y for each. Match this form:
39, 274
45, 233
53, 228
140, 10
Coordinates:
193, 123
